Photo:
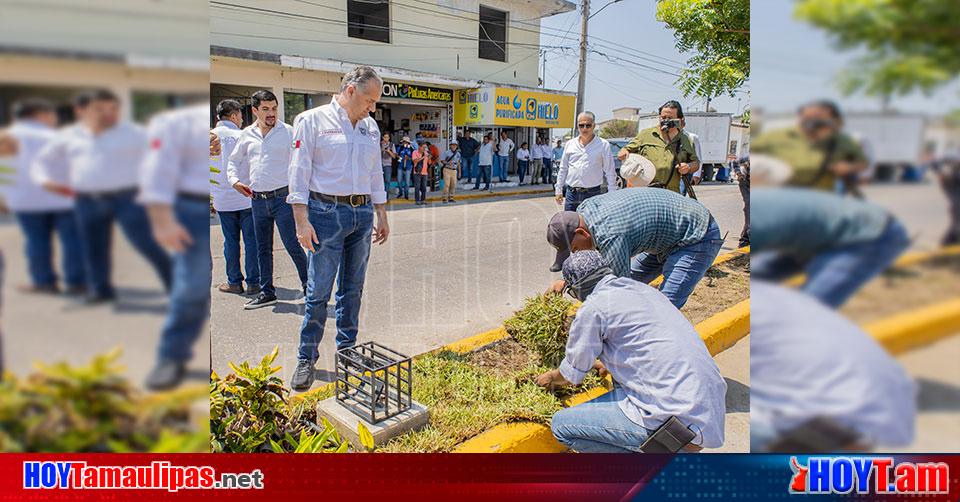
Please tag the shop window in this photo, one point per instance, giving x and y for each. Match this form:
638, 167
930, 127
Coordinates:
493, 34
369, 20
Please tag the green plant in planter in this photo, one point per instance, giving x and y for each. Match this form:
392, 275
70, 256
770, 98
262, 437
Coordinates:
542, 326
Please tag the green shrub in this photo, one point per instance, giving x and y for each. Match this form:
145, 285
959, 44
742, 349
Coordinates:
542, 326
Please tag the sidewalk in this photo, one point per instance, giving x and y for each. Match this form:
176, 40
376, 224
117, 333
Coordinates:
465, 192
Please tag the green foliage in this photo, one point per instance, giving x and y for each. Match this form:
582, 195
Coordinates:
717, 32
619, 129
541, 327
909, 45
93, 408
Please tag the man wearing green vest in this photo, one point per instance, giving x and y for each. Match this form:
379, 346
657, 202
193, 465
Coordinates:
822, 156
672, 153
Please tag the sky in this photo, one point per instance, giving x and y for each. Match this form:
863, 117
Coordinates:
631, 23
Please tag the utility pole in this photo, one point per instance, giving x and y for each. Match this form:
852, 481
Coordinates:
543, 80
582, 80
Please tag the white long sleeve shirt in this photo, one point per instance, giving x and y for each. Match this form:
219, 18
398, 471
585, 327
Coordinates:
486, 154
21, 193
585, 166
261, 162
225, 197
334, 157
89, 162
178, 161
536, 152
505, 147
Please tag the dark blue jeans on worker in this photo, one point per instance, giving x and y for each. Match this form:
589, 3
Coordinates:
266, 213
572, 198
96, 213
504, 170
483, 172
404, 180
522, 168
38, 229
834, 275
237, 224
344, 233
547, 171
599, 426
681, 269
190, 295
470, 166
420, 187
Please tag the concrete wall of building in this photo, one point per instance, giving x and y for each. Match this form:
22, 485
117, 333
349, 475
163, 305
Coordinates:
320, 31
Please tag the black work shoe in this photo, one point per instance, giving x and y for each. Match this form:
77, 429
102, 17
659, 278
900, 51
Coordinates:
97, 299
167, 374
555, 268
302, 376
262, 300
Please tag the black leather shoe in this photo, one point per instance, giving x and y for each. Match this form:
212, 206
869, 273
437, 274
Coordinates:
302, 376
167, 374
555, 268
262, 300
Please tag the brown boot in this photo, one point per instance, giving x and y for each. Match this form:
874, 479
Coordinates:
236, 289
50, 289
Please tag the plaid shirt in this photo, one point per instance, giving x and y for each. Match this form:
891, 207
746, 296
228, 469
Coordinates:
625, 223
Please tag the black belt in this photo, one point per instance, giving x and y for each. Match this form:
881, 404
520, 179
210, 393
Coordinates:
194, 197
280, 192
109, 193
350, 200
581, 189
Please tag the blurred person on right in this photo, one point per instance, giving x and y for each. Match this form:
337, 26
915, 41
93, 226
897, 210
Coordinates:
819, 383
97, 162
821, 154
948, 173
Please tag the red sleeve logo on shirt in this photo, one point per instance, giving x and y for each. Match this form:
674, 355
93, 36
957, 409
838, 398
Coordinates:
155, 143
296, 144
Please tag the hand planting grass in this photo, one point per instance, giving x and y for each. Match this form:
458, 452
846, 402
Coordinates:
93, 408
541, 327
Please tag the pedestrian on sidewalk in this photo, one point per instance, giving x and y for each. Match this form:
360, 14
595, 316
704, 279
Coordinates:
523, 161
405, 167
642, 233
557, 156
546, 155
585, 162
665, 145
485, 157
97, 161
742, 170
536, 161
335, 197
233, 209
469, 153
948, 173
503, 156
660, 367
450, 164
387, 154
40, 214
259, 168
421, 170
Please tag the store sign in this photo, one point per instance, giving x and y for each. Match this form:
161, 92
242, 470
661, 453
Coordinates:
418, 92
500, 106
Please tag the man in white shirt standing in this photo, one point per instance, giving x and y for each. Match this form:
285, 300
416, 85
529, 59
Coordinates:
39, 212
586, 160
97, 161
175, 188
485, 155
503, 157
536, 161
336, 186
258, 168
546, 151
233, 209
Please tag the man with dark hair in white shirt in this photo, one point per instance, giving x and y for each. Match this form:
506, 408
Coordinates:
336, 189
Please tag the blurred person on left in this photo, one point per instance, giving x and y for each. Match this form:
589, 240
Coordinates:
175, 188
98, 160
40, 213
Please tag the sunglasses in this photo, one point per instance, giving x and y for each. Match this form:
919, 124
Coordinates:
584, 126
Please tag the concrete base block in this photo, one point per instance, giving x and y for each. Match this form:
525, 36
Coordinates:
345, 422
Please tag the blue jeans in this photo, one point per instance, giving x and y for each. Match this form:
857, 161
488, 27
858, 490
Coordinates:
599, 426
387, 171
522, 168
190, 296
470, 166
420, 187
504, 163
234, 224
344, 233
572, 199
404, 180
834, 275
547, 170
38, 228
95, 215
483, 172
266, 212
682, 269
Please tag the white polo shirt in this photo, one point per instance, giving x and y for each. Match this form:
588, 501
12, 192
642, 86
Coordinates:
585, 166
505, 147
334, 157
261, 162
89, 162
225, 197
178, 161
21, 193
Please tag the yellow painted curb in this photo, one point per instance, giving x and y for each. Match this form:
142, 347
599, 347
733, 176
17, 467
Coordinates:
911, 330
720, 332
470, 196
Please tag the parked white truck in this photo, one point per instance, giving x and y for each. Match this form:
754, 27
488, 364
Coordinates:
713, 129
893, 142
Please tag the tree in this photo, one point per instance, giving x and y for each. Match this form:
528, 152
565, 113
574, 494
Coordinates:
909, 45
718, 33
619, 129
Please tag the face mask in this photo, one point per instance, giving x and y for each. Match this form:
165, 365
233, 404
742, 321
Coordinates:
585, 286
669, 123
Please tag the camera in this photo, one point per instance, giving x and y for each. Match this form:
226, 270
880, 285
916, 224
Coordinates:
669, 123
